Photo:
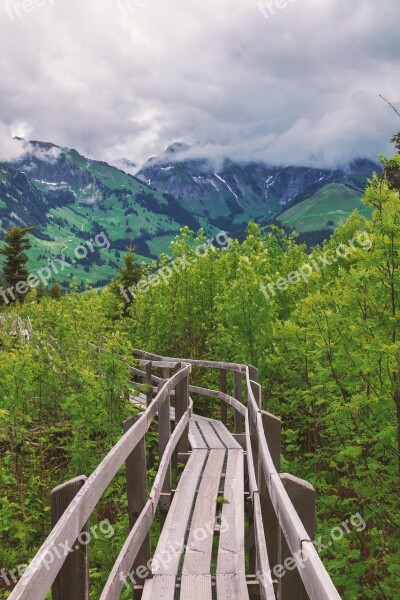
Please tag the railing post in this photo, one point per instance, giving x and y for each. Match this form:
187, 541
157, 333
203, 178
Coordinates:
181, 406
237, 381
164, 433
303, 497
136, 485
272, 429
148, 381
253, 372
256, 389
224, 406
72, 582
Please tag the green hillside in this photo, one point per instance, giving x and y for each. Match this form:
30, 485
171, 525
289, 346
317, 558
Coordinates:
324, 209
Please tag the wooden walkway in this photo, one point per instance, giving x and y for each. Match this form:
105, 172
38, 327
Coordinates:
205, 522
235, 527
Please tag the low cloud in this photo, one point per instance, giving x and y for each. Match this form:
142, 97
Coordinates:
127, 79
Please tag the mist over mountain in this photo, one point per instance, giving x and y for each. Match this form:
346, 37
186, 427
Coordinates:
69, 198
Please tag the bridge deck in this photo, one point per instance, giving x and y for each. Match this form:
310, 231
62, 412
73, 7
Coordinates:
201, 546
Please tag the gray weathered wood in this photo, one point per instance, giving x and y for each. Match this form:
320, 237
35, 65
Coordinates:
223, 388
148, 381
196, 587
253, 373
261, 435
272, 429
209, 434
136, 486
238, 406
264, 571
181, 406
72, 582
231, 554
195, 438
200, 542
164, 434
170, 545
227, 438
237, 381
303, 498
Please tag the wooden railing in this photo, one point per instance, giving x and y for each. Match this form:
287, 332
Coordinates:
281, 507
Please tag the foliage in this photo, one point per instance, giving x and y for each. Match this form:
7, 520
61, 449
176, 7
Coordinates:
14, 268
328, 352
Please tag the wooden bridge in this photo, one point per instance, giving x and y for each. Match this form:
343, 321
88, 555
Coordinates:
235, 528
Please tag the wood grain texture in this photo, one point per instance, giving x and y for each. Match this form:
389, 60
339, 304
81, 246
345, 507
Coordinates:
172, 538
201, 535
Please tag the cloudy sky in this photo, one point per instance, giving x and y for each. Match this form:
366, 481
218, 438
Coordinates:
286, 81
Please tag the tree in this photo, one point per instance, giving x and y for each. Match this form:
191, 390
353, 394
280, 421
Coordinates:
15, 271
55, 291
129, 275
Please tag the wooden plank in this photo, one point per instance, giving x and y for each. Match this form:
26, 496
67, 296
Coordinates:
226, 437
170, 544
161, 587
231, 544
231, 586
72, 582
199, 546
211, 438
195, 438
196, 587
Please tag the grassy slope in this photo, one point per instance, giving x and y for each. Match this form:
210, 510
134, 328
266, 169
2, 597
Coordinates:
334, 202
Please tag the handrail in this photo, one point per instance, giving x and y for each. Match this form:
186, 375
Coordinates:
316, 579
123, 564
40, 576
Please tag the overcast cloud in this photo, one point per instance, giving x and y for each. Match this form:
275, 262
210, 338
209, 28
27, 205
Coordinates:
125, 78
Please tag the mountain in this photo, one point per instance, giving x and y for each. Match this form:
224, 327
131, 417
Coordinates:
70, 199
324, 209
235, 193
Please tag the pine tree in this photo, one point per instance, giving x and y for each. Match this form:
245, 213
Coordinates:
55, 291
129, 275
14, 268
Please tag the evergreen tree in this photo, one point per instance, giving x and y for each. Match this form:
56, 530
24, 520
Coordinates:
129, 275
55, 291
14, 268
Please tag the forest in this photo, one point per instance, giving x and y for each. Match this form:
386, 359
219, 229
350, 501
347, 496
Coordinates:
322, 327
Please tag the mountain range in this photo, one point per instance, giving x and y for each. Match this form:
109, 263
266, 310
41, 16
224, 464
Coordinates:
70, 198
